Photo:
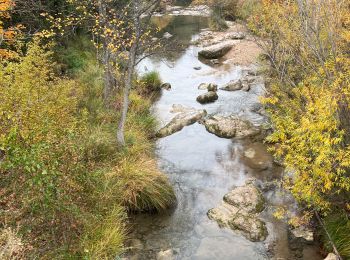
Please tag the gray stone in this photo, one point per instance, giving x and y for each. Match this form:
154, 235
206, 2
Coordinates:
180, 121
167, 35
239, 211
216, 51
178, 108
229, 126
165, 255
233, 85
208, 86
247, 198
303, 232
209, 97
245, 86
235, 36
243, 83
256, 159
252, 228
197, 68
331, 256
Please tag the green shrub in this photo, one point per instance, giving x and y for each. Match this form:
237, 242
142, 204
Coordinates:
100, 144
76, 54
40, 124
338, 226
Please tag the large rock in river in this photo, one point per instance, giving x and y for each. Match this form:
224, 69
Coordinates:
229, 126
233, 85
208, 97
247, 198
216, 51
239, 211
187, 117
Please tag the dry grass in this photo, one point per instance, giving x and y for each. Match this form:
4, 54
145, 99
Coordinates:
104, 236
11, 245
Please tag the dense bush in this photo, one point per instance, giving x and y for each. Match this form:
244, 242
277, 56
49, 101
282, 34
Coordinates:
58, 150
307, 46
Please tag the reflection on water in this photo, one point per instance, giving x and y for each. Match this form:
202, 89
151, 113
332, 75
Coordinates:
183, 28
201, 166
183, 2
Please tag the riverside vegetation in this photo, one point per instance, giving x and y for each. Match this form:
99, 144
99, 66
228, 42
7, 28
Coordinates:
307, 47
63, 173
67, 184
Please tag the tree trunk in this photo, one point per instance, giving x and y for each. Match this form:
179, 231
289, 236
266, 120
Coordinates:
130, 72
127, 87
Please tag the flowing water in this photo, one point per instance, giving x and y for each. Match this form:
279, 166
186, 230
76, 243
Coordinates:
203, 167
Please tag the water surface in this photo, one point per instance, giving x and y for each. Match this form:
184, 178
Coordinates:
203, 167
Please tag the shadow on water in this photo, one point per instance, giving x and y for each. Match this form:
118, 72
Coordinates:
203, 167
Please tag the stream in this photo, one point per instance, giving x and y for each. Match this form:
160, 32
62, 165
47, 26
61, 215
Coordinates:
203, 167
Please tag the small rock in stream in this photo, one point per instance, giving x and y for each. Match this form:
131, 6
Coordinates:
245, 87
165, 255
209, 97
208, 86
166, 86
235, 36
216, 51
303, 232
214, 61
229, 126
233, 85
167, 35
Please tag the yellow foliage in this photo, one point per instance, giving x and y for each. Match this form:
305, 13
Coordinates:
8, 35
307, 44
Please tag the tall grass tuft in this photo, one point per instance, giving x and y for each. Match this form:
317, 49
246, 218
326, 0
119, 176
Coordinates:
140, 186
338, 226
104, 236
149, 83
